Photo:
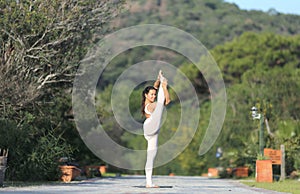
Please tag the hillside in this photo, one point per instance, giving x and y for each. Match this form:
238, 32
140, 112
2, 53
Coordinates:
210, 21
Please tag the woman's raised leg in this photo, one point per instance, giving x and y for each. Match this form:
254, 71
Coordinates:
152, 127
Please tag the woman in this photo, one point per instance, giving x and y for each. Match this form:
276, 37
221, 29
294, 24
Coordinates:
153, 112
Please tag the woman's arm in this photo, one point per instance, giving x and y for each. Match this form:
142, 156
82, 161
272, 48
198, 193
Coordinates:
156, 83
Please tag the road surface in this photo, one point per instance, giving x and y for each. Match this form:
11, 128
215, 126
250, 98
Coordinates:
135, 184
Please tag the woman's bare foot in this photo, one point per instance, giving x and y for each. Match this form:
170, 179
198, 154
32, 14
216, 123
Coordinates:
152, 186
161, 77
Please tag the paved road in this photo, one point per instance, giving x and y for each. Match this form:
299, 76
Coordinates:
135, 184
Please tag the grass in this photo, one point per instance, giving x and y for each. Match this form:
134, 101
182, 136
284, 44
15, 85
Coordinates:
110, 175
289, 186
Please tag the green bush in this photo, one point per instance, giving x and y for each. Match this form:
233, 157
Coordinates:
33, 154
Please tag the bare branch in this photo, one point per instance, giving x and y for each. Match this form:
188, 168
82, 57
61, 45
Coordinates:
13, 37
268, 128
47, 50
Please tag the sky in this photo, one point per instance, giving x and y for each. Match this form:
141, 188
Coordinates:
282, 6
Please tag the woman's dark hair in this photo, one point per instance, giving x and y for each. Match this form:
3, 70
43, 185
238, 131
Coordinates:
146, 91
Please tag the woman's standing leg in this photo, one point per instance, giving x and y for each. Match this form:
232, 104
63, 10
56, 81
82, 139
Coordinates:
151, 153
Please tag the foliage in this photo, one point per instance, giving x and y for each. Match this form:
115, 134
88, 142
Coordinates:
270, 81
42, 43
35, 152
43, 161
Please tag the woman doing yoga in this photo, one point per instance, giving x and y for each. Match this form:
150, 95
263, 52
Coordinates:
153, 112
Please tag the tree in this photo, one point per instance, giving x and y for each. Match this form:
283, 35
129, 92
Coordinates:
42, 43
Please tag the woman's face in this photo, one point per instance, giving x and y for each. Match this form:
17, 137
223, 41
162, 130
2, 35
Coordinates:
151, 95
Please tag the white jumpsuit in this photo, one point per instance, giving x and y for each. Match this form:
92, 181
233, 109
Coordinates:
151, 129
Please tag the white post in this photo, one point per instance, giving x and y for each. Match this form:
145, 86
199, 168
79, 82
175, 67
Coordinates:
282, 168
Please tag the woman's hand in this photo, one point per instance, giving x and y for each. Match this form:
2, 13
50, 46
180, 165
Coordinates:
164, 83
